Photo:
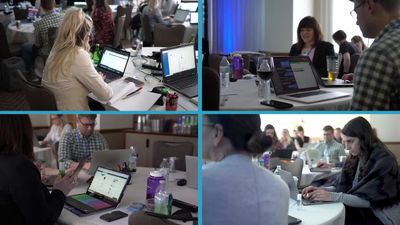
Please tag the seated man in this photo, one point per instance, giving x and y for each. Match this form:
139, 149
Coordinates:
80, 143
41, 46
329, 149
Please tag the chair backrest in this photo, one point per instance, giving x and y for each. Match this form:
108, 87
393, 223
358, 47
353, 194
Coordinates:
214, 60
211, 89
168, 36
165, 149
127, 23
20, 14
118, 32
295, 167
120, 12
353, 61
5, 51
52, 35
146, 29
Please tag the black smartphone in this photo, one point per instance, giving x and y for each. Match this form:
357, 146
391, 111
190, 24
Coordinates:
277, 104
293, 220
113, 216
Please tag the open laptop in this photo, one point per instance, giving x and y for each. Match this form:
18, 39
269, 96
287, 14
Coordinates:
179, 69
295, 80
113, 63
283, 153
105, 192
180, 15
194, 18
191, 171
108, 159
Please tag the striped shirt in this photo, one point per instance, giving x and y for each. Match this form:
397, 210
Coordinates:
74, 146
377, 74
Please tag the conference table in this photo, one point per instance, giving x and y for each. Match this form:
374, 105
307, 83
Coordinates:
134, 193
145, 99
243, 95
21, 35
322, 214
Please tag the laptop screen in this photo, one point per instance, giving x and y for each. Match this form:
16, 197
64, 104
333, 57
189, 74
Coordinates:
178, 59
114, 61
108, 183
293, 74
180, 15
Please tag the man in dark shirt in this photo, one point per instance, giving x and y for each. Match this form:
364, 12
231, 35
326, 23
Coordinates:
347, 49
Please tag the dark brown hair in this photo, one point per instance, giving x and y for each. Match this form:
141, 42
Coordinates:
90, 116
309, 22
48, 4
339, 35
328, 128
243, 131
275, 137
16, 135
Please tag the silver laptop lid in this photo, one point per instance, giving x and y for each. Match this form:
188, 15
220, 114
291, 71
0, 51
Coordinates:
181, 15
108, 159
191, 171
293, 74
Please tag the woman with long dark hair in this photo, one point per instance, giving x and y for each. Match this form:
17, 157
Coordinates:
23, 197
235, 190
369, 185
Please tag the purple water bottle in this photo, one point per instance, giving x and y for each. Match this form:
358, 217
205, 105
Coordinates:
237, 66
266, 158
152, 183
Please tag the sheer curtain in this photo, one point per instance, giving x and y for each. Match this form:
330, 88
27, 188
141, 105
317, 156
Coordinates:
236, 25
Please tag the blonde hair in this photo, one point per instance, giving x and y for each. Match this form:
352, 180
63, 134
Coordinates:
72, 35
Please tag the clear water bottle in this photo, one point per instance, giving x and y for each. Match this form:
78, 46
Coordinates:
164, 168
161, 200
278, 169
224, 72
326, 155
132, 159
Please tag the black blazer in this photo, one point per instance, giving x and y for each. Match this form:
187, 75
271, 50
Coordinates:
24, 200
322, 49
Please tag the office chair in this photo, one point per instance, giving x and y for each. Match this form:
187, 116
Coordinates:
165, 149
148, 34
211, 89
165, 36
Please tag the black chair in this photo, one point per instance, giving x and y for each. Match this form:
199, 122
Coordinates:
148, 34
165, 36
5, 51
20, 13
211, 89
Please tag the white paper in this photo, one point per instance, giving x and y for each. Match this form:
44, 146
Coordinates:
120, 89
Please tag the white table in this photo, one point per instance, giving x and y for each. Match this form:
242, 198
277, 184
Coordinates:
136, 192
307, 177
243, 95
323, 214
140, 101
22, 35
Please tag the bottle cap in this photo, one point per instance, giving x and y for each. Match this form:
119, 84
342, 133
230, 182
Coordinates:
156, 173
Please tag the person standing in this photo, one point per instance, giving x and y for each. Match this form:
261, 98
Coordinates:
347, 49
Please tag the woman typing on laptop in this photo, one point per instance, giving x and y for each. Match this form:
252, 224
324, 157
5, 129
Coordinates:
23, 197
369, 183
69, 72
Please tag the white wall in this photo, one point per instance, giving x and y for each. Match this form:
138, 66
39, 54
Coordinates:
40, 120
387, 127
302, 9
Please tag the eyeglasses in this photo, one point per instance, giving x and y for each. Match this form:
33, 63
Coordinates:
353, 12
87, 124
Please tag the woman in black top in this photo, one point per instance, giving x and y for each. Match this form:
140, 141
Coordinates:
23, 197
309, 43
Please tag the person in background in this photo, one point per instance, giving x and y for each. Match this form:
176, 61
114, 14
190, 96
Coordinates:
69, 72
347, 49
377, 76
168, 7
269, 130
310, 43
369, 184
337, 133
58, 128
153, 11
103, 23
80, 143
300, 138
23, 197
358, 41
41, 45
331, 147
286, 141
235, 190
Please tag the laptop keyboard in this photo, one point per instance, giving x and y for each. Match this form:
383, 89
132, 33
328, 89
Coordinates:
185, 83
307, 94
78, 205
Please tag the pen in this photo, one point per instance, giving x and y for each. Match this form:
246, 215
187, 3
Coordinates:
132, 93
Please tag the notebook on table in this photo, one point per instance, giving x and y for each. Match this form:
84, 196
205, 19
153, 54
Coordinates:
295, 79
179, 69
105, 192
113, 63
